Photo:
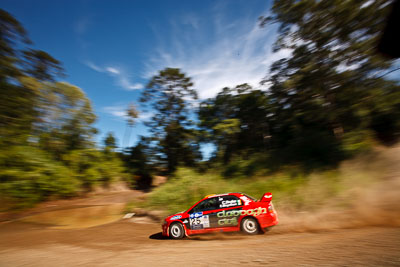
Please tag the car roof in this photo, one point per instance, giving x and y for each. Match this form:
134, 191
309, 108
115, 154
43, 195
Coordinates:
224, 194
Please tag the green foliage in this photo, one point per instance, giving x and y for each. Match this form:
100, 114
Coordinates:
297, 192
137, 162
132, 114
16, 113
292, 189
41, 65
110, 143
236, 121
111, 169
329, 86
259, 163
46, 129
65, 118
173, 136
327, 99
227, 127
184, 189
19, 88
29, 175
93, 167
11, 34
357, 142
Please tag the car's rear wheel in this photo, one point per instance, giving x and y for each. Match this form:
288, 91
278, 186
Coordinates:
176, 231
250, 226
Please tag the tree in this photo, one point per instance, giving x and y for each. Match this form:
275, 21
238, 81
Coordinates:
169, 94
235, 121
41, 65
66, 119
110, 143
329, 85
137, 162
45, 127
21, 74
132, 114
12, 34
16, 100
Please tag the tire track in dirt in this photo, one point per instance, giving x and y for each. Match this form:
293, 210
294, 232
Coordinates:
129, 244
366, 233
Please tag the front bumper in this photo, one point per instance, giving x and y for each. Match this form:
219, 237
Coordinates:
164, 228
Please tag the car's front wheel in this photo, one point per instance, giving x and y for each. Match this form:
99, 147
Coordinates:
176, 231
250, 226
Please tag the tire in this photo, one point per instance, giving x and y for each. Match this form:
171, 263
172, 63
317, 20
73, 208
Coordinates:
176, 231
250, 226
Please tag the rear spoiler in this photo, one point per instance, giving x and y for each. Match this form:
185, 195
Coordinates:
267, 197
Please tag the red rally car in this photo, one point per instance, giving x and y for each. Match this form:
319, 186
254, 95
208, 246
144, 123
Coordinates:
223, 213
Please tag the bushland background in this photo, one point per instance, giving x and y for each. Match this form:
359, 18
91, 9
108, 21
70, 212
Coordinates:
320, 130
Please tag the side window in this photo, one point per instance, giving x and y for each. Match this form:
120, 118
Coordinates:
207, 204
229, 201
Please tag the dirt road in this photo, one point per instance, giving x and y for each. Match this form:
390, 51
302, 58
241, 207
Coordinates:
90, 232
125, 243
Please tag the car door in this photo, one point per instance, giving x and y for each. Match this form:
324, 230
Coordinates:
202, 215
230, 211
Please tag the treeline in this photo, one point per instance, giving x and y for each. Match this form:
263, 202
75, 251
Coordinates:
46, 132
329, 99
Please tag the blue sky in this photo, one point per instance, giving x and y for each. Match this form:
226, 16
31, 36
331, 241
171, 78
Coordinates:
110, 49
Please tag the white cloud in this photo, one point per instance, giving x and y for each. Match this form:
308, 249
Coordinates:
113, 70
116, 111
119, 111
125, 83
240, 52
93, 66
145, 116
120, 75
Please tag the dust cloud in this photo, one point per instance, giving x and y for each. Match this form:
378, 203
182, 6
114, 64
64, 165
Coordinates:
376, 204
